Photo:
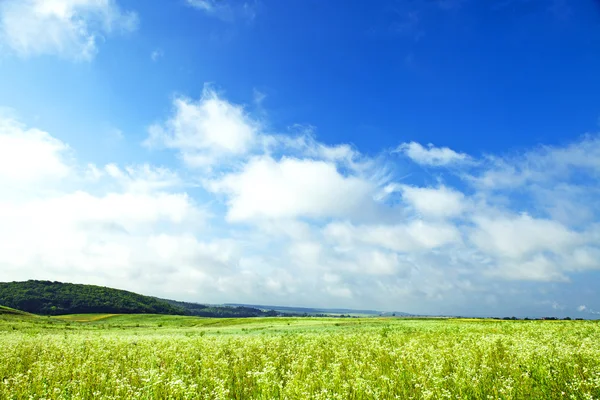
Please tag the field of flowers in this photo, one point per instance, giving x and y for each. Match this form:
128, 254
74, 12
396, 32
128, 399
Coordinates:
152, 357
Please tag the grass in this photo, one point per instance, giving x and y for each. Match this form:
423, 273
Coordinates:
174, 357
12, 311
85, 317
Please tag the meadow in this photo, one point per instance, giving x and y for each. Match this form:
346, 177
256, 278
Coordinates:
176, 357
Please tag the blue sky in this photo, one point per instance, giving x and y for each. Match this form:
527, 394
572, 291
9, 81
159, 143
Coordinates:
420, 156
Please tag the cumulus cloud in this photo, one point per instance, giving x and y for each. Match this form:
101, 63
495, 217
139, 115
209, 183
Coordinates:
93, 224
263, 216
411, 237
289, 188
519, 236
207, 131
319, 216
538, 268
520, 247
432, 156
214, 132
67, 28
28, 156
434, 202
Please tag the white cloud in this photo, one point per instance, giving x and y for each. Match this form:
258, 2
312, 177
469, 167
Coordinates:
434, 202
83, 237
28, 156
306, 144
67, 28
206, 132
215, 256
291, 220
143, 178
532, 249
538, 268
520, 236
430, 241
288, 228
205, 5
569, 204
226, 10
128, 212
412, 237
588, 310
94, 224
289, 188
432, 156
379, 262
585, 257
215, 134
544, 165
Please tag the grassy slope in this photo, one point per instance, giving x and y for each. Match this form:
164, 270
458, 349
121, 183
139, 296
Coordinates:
12, 311
134, 324
223, 325
180, 325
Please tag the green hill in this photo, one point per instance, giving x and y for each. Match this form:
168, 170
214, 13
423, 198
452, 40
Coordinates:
12, 311
56, 298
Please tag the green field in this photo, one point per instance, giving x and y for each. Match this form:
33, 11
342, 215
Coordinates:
176, 357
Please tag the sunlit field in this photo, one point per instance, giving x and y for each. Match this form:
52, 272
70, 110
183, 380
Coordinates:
171, 357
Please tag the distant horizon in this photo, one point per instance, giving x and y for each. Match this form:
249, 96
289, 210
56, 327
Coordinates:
342, 309
440, 157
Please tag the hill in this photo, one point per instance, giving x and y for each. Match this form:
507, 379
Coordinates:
12, 311
224, 311
55, 298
